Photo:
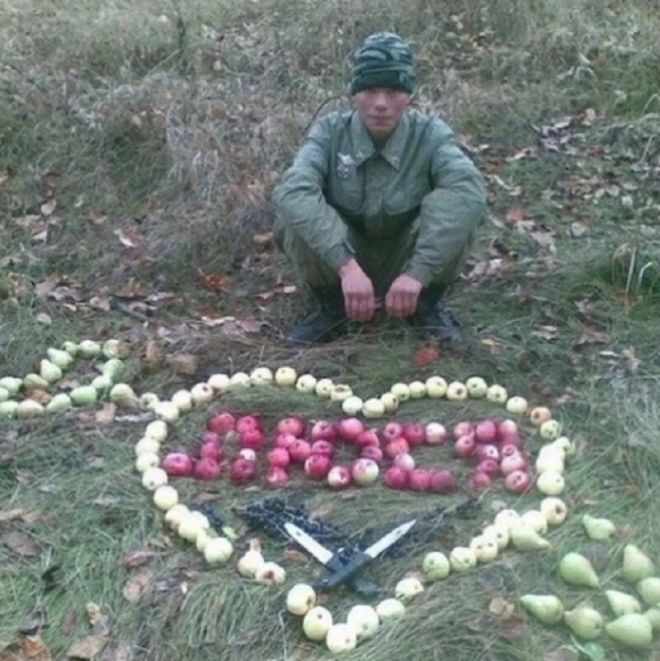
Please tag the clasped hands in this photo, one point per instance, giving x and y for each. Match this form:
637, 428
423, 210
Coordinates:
360, 300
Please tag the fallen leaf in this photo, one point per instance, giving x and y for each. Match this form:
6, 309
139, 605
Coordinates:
34, 649
154, 355
137, 558
99, 622
501, 607
295, 556
214, 282
546, 332
183, 363
100, 302
426, 355
126, 239
87, 647
263, 240
106, 414
562, 654
515, 215
11, 515
578, 230
21, 544
44, 319
136, 585
48, 207
590, 336
544, 240
105, 501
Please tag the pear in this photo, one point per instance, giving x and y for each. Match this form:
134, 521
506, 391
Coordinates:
28, 408
83, 395
123, 394
111, 349
653, 616
102, 383
89, 349
633, 630
636, 565
11, 384
649, 589
62, 359
112, 368
546, 608
4, 394
35, 382
622, 603
8, 409
576, 569
598, 529
525, 538
60, 403
584, 622
71, 348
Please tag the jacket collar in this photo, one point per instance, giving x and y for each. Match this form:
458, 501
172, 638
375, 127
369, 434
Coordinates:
363, 145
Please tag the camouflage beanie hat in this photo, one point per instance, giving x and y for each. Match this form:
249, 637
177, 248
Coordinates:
383, 60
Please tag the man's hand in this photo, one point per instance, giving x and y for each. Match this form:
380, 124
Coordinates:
359, 299
401, 299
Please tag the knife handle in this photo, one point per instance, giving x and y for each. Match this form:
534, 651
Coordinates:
361, 585
346, 572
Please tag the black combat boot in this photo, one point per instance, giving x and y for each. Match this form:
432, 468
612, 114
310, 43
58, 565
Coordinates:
434, 319
327, 321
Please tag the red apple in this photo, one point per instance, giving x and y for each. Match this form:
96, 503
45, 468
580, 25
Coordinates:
242, 471
414, 433
350, 428
487, 451
364, 471
372, 452
246, 422
485, 432
178, 464
207, 469
221, 422
391, 430
339, 477
518, 481
489, 466
211, 437
442, 481
465, 446
211, 451
252, 438
419, 479
299, 451
323, 430
507, 429
479, 481
292, 425
323, 447
279, 457
367, 437
436, 434
508, 450
512, 464
404, 460
276, 477
463, 428
285, 441
397, 446
317, 466
396, 477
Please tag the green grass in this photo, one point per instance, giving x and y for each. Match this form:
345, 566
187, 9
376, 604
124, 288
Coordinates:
171, 133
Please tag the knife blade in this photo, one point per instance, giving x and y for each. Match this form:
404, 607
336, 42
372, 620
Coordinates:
362, 558
329, 559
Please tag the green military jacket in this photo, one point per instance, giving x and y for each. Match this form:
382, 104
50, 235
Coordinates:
338, 176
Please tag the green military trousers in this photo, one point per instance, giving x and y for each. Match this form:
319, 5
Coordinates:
382, 259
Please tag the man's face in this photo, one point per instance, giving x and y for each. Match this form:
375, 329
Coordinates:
381, 109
